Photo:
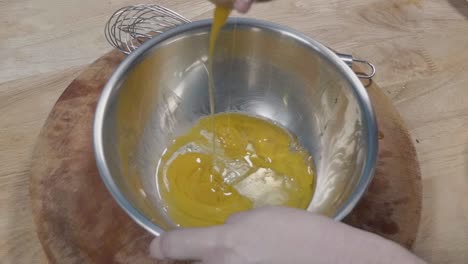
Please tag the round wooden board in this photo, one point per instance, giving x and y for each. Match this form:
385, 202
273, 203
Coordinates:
78, 221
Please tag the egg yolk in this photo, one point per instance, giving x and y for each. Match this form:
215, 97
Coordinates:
256, 163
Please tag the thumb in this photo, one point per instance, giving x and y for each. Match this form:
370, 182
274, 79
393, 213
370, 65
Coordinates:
243, 5
186, 244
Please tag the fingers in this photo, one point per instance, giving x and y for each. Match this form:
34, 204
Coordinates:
186, 244
243, 6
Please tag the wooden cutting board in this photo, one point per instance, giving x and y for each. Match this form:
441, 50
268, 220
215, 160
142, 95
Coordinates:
78, 221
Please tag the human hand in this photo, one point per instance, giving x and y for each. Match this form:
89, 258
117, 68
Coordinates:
277, 235
241, 6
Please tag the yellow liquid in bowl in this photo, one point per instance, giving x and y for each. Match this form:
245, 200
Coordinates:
257, 163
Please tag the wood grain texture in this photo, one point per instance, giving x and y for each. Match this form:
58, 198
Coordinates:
78, 221
418, 46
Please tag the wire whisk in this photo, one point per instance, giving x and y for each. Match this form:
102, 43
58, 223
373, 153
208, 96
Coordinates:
131, 26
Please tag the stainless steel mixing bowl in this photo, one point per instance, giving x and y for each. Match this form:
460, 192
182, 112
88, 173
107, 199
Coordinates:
261, 69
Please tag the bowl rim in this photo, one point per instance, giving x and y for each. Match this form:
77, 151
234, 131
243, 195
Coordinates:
110, 91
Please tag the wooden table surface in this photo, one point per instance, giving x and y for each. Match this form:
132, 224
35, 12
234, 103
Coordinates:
420, 48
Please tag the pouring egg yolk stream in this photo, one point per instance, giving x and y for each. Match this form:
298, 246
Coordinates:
221, 15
